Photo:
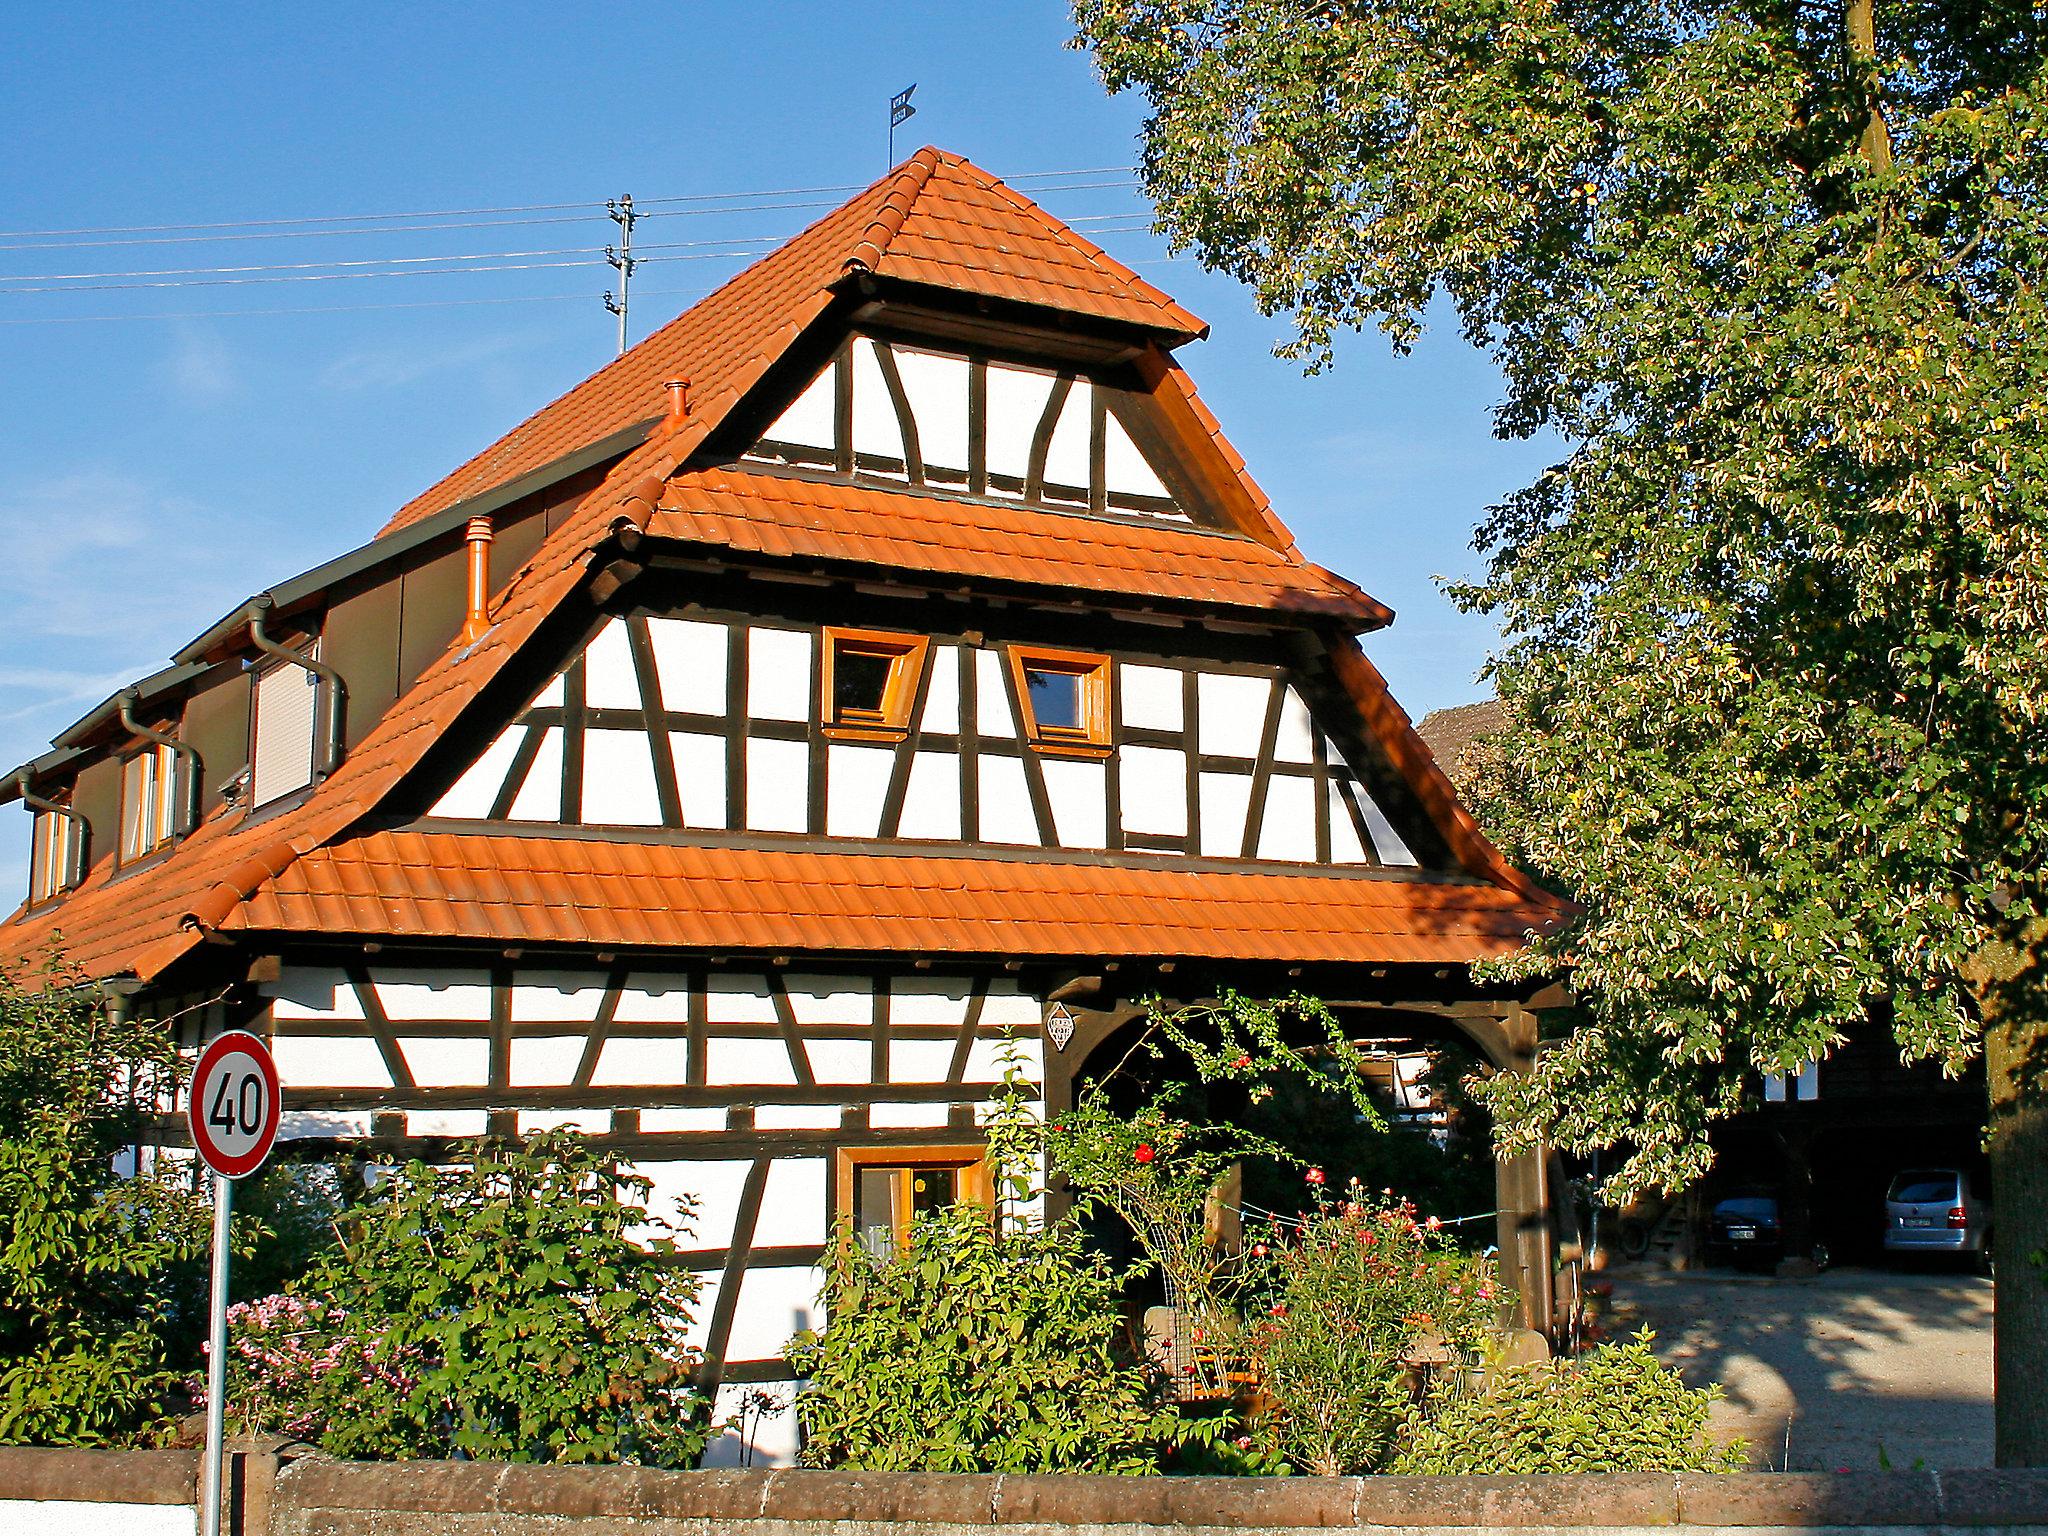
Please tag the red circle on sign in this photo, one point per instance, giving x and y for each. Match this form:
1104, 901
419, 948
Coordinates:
234, 1104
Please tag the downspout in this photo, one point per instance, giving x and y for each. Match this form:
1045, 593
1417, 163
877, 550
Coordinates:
333, 693
188, 802
74, 866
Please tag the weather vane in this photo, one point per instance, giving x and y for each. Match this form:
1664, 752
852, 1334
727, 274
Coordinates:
900, 111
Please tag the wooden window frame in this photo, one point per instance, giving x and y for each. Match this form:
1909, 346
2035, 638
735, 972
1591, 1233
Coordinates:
163, 830
1092, 737
891, 723
53, 856
969, 1160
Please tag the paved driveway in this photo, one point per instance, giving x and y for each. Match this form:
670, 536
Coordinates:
1848, 1370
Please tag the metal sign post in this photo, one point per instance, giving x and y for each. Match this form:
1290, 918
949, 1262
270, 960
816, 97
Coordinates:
233, 1108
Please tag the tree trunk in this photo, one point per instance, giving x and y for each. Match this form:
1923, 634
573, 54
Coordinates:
1859, 22
2016, 1072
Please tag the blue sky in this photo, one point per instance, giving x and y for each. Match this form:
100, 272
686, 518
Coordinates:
164, 452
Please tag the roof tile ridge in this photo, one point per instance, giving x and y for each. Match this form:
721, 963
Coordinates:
906, 184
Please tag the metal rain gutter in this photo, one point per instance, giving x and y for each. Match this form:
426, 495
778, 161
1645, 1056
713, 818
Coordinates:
333, 691
187, 810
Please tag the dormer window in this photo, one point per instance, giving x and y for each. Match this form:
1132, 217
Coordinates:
869, 682
943, 421
282, 735
1065, 698
148, 802
53, 855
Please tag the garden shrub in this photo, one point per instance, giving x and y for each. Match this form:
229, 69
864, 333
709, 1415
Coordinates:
976, 1349
505, 1308
86, 1312
1362, 1306
1616, 1409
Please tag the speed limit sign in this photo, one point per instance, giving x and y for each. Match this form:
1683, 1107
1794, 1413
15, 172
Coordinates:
235, 1104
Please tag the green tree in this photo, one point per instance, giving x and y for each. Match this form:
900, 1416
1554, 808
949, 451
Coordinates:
86, 1309
1772, 659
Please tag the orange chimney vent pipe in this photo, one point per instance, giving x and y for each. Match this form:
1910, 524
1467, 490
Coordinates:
476, 622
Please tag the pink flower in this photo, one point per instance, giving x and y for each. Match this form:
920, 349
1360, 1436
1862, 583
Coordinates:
1316, 1176
1144, 1154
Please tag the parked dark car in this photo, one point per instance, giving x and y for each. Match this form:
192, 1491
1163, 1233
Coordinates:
1934, 1210
1746, 1230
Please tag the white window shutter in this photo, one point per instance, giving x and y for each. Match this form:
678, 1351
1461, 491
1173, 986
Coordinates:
281, 758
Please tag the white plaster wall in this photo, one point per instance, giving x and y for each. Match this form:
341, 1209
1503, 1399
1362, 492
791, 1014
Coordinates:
589, 1122
682, 1118
808, 418
700, 777
738, 998
1345, 847
329, 1061
1154, 790
875, 426
1225, 799
778, 786
774, 1303
1124, 468
540, 796
716, 1184
609, 681
754, 1439
1006, 803
1016, 399
942, 694
1151, 696
796, 1117
793, 1211
778, 673
472, 795
298, 1124
1078, 791
689, 664
919, 1061
992, 715
927, 1000
1296, 742
447, 1061
931, 804
830, 1000
1288, 828
936, 386
856, 784
841, 1061
1066, 456
618, 780
1231, 713
733, 1062
907, 1117
637, 1061
446, 1122
419, 993
549, 997
312, 992
544, 1061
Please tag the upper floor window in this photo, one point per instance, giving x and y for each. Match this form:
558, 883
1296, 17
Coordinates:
53, 855
869, 682
888, 411
148, 801
282, 726
1065, 695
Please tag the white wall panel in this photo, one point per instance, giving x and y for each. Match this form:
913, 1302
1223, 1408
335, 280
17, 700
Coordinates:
876, 428
942, 694
1345, 847
792, 1204
690, 662
808, 418
682, 1119
1151, 696
1385, 840
937, 389
796, 1117
985, 1058
1079, 793
1233, 713
609, 681
446, 1061
774, 1303
849, 1060
1124, 468
757, 1439
1288, 829
447, 1122
779, 674
544, 1061
931, 803
636, 1061
1066, 456
556, 997
778, 786
652, 998
425, 993
927, 1000
1225, 797
298, 1124
540, 795
728, 1060
328, 1061
715, 1183
1006, 815
1296, 742
856, 784
700, 777
554, 692
907, 1117
1016, 399
618, 780
312, 992
1005, 1006
738, 998
992, 696
472, 796
919, 1061
587, 1122
1154, 790
830, 1000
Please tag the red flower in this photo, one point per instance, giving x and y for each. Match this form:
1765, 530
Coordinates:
1144, 1154
1316, 1176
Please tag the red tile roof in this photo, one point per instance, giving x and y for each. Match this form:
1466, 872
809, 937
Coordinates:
519, 889
935, 219
779, 515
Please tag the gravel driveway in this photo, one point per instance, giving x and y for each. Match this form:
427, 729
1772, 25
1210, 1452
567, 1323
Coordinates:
1848, 1370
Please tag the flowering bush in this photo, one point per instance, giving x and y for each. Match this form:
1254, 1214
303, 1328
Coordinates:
1358, 1306
503, 1308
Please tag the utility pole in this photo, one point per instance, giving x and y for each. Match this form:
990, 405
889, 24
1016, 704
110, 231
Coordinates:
621, 259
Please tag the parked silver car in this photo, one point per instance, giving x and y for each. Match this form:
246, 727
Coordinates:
1934, 1210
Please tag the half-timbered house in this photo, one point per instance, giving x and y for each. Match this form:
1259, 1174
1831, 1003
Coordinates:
886, 661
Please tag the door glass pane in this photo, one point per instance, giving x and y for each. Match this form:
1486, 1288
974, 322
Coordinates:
874, 1210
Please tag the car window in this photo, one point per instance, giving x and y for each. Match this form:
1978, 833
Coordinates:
1923, 1188
1749, 1208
